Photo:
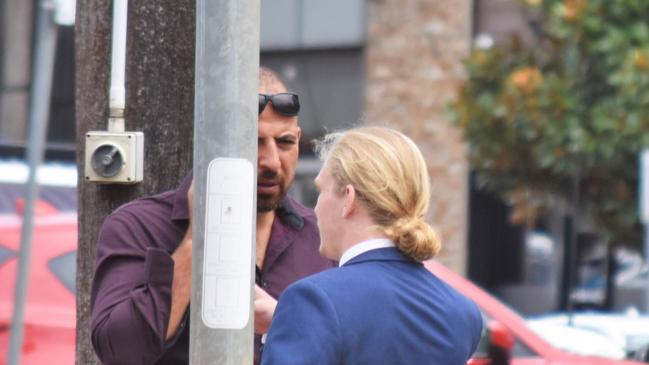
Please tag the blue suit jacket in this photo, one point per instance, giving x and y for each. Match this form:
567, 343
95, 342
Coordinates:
379, 308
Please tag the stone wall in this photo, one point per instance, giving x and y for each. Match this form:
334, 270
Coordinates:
414, 54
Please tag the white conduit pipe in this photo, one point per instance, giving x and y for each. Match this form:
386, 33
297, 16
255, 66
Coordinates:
117, 97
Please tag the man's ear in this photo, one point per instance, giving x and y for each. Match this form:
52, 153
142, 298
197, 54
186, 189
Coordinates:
350, 200
299, 137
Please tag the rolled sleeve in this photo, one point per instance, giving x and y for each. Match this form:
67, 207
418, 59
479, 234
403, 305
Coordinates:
131, 299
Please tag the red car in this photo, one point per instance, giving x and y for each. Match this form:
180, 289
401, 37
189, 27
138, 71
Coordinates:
50, 309
50, 315
514, 342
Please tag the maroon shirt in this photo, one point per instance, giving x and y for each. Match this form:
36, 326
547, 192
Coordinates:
131, 290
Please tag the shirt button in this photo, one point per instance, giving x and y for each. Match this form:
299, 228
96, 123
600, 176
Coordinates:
264, 284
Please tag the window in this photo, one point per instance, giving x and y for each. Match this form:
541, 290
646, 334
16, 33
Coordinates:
6, 254
319, 49
64, 268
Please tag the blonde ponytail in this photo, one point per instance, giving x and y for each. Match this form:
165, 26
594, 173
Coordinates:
414, 237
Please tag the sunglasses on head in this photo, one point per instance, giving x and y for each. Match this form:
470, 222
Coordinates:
284, 103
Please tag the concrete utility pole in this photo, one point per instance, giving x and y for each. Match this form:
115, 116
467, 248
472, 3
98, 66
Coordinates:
160, 103
225, 156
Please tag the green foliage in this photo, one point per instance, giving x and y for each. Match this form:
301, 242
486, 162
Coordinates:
575, 105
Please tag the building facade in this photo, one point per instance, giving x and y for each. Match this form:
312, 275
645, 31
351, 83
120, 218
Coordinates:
384, 62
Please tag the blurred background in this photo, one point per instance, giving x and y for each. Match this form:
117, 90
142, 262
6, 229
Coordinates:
532, 116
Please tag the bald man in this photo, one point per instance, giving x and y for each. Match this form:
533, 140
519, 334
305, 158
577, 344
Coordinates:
142, 284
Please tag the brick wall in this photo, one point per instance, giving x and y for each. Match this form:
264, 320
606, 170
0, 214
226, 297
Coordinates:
414, 54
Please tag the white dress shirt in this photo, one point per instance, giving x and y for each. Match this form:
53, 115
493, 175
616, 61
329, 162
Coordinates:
363, 247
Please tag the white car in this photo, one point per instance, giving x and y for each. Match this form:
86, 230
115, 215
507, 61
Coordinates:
577, 340
628, 330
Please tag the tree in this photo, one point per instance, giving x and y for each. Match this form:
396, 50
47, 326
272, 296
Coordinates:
160, 102
573, 107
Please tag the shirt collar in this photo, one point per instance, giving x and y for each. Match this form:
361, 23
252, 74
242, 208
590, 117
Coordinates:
363, 247
289, 215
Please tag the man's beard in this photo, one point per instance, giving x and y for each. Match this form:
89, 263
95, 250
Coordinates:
269, 202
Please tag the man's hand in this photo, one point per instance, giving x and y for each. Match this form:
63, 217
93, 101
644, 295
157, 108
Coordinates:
190, 205
264, 309
182, 282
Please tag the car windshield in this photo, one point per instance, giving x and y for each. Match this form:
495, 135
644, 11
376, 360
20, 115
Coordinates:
64, 269
5, 254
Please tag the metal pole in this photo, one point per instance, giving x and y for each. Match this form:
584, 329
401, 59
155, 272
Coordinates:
225, 126
44, 52
574, 242
643, 212
646, 264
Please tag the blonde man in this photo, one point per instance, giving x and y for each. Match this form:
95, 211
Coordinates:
381, 306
